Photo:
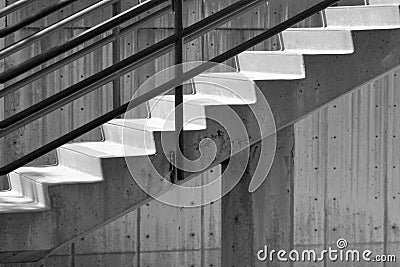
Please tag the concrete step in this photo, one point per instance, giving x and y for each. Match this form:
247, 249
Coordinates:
145, 132
54, 175
163, 111
14, 202
87, 157
310, 41
223, 88
265, 65
29, 187
36, 192
364, 17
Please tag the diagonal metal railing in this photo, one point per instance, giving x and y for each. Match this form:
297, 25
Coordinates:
109, 74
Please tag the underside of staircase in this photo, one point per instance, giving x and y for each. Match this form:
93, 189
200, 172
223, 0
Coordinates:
48, 206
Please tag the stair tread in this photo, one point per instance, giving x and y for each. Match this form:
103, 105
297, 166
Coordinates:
253, 75
57, 175
14, 202
208, 100
238, 76
316, 29
225, 75
107, 149
153, 125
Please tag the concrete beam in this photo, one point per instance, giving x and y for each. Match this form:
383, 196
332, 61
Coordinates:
265, 217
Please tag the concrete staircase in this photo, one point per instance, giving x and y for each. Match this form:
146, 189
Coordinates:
91, 185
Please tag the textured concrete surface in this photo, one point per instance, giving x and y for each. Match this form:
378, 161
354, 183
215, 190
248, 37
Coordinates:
87, 206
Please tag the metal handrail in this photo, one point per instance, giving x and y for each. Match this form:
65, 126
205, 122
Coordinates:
84, 51
35, 37
165, 87
178, 48
85, 36
52, 103
15, 6
234, 10
41, 14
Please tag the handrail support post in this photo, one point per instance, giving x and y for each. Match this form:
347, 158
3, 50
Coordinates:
116, 55
178, 49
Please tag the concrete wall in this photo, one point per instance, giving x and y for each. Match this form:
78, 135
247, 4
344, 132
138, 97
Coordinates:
347, 171
333, 146
154, 235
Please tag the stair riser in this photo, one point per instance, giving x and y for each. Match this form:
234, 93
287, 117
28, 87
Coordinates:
259, 64
79, 161
235, 88
318, 41
132, 137
229, 85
